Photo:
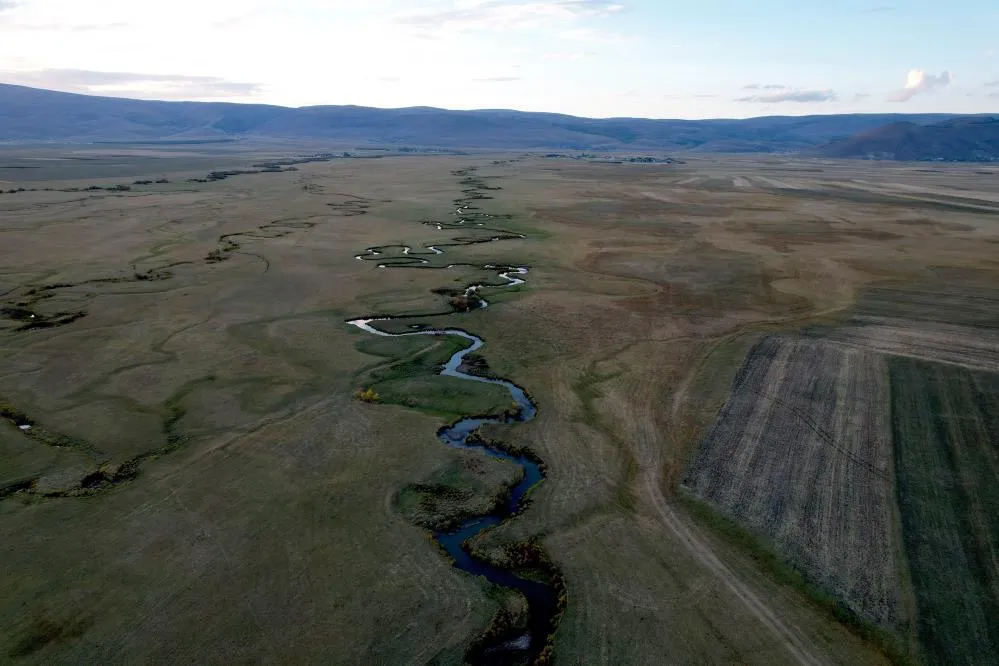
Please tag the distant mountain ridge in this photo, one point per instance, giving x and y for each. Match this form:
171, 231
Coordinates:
962, 139
32, 114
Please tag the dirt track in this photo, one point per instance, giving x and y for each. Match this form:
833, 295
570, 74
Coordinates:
786, 633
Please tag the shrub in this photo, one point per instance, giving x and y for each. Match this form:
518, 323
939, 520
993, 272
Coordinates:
368, 395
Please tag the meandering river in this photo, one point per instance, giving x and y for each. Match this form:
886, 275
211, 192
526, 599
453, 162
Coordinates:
541, 597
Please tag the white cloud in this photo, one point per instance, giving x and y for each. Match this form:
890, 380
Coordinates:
591, 35
919, 82
802, 96
567, 55
764, 86
155, 86
507, 14
496, 79
429, 51
73, 27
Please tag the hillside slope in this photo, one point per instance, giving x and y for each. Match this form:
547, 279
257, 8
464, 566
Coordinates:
962, 139
30, 114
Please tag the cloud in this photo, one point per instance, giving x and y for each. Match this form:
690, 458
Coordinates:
860, 96
496, 79
792, 96
764, 86
155, 86
507, 14
920, 82
73, 27
992, 84
567, 55
591, 35
697, 96
7, 4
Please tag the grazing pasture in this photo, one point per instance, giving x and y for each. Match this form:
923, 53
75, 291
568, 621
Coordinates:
207, 432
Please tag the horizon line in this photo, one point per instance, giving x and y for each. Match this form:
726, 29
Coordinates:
483, 110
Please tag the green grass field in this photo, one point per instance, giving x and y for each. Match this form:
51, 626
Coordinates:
409, 378
944, 423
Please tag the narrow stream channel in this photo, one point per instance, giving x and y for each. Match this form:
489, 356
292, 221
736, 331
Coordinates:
542, 598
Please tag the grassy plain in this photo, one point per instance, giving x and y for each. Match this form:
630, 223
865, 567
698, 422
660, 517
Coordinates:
262, 487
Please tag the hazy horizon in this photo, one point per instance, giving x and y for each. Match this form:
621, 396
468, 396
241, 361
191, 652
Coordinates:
593, 58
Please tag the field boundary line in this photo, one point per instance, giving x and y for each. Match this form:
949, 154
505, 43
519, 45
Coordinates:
702, 551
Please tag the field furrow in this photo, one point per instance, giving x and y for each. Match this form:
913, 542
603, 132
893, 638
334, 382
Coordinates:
801, 454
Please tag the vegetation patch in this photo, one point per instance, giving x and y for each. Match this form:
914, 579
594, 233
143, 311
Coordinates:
368, 395
43, 630
476, 365
443, 396
509, 621
469, 486
460, 300
72, 481
413, 380
30, 428
945, 422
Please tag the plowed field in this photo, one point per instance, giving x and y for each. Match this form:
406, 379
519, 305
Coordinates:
802, 454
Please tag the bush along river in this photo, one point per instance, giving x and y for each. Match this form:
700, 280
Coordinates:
527, 569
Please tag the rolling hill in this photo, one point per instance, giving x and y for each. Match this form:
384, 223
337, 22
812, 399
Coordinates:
962, 139
31, 114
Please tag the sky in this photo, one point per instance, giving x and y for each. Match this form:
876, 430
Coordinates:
598, 58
